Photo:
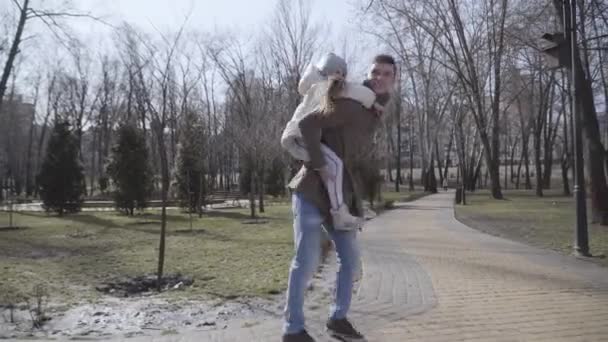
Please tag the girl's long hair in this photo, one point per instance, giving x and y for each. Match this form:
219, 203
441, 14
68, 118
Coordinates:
335, 87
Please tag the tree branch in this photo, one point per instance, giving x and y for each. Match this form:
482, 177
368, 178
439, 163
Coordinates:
18, 5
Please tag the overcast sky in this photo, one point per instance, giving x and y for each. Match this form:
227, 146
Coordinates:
244, 17
206, 14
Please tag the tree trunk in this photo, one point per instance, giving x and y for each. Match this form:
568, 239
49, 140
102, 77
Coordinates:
201, 192
526, 152
12, 54
261, 190
506, 175
602, 61
547, 168
390, 148
411, 148
485, 178
439, 164
164, 163
566, 184
92, 172
30, 144
447, 156
431, 179
512, 161
41, 145
549, 138
475, 172
492, 164
567, 146
538, 166
398, 179
251, 189
596, 152
518, 178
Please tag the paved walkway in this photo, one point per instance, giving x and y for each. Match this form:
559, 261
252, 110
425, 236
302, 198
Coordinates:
429, 278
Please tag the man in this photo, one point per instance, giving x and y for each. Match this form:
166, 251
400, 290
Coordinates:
348, 130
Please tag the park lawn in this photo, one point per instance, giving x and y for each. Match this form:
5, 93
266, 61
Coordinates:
226, 255
547, 222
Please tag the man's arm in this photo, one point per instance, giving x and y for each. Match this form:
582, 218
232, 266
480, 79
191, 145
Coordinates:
312, 125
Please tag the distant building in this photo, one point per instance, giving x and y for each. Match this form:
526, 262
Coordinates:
15, 120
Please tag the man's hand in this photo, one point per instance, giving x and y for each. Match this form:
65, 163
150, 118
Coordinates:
326, 174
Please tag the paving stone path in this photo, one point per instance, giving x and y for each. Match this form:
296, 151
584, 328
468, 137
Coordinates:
427, 277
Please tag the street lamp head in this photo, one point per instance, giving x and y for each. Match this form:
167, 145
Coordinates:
548, 37
556, 49
556, 37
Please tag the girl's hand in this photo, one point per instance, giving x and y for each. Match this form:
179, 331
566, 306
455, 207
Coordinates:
378, 109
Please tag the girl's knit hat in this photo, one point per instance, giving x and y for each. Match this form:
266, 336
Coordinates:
331, 63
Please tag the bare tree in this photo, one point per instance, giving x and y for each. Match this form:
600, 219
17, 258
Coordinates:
426, 83
105, 117
253, 112
29, 168
51, 18
586, 107
293, 39
154, 79
53, 95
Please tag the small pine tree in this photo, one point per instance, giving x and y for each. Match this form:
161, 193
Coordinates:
190, 165
275, 178
129, 170
61, 178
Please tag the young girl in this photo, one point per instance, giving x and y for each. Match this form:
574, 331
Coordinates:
320, 84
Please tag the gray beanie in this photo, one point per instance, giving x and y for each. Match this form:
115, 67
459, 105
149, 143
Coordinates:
330, 64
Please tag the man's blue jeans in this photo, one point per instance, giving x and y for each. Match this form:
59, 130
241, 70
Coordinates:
307, 231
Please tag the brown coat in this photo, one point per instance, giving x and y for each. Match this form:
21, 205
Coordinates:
348, 130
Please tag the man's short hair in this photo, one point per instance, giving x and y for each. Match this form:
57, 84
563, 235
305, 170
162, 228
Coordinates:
386, 59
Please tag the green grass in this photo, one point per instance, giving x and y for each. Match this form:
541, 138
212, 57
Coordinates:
226, 256
546, 222
71, 255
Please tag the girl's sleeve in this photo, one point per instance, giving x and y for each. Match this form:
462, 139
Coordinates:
359, 93
310, 76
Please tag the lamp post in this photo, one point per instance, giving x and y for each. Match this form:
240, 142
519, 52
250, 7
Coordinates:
563, 53
581, 245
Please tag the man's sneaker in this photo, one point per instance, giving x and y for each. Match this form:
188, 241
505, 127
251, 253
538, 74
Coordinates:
302, 336
344, 331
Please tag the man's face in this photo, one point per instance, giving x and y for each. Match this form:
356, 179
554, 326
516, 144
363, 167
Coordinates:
382, 77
